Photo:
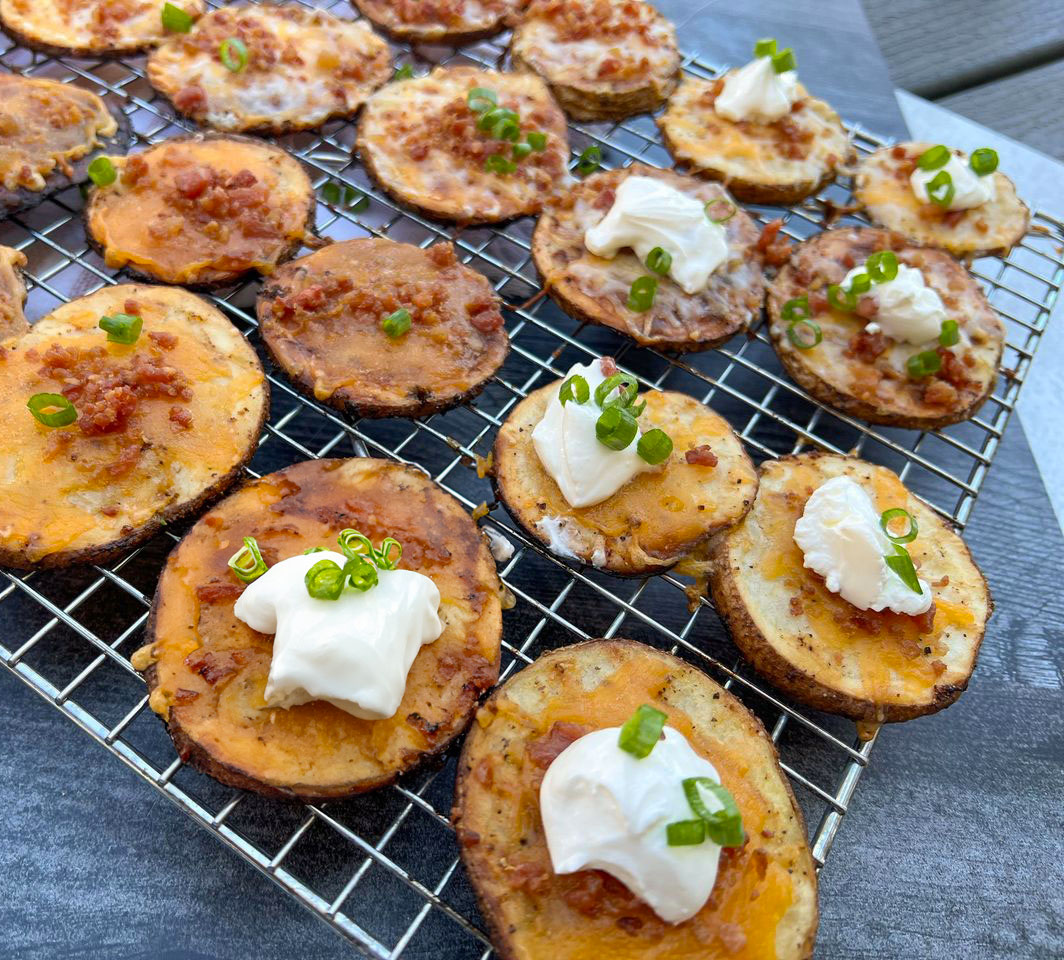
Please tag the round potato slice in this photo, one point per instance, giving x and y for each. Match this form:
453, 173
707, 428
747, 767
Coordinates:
12, 293
595, 290
764, 901
163, 425
89, 28
882, 186
420, 140
49, 134
864, 374
440, 21
603, 59
207, 670
823, 651
321, 319
653, 521
303, 67
202, 210
780, 162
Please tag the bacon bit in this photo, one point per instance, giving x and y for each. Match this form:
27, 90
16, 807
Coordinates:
484, 773
775, 248
193, 183
867, 308
135, 169
162, 339
925, 622
484, 317
442, 255
866, 346
952, 370
215, 590
184, 695
848, 260
468, 838
943, 581
608, 366
604, 200
446, 667
131, 307
531, 876
191, 99
938, 393
939, 667
898, 152
543, 751
818, 303
112, 510
215, 666
952, 217
180, 418
702, 456
796, 606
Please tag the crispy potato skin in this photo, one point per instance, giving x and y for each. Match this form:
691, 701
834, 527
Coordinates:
178, 473
595, 290
652, 522
831, 374
431, 368
599, 684
12, 293
823, 651
882, 186
381, 13
316, 751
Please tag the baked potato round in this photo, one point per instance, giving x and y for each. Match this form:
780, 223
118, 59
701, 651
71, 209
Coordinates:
592, 289
321, 319
603, 59
12, 293
823, 651
781, 162
440, 21
764, 901
206, 670
163, 425
864, 374
882, 186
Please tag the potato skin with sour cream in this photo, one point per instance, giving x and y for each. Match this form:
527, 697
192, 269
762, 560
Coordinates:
764, 902
595, 290
825, 652
207, 671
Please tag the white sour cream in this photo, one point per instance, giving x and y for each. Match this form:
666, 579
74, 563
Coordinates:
602, 809
970, 189
756, 92
909, 310
354, 652
840, 536
586, 471
648, 213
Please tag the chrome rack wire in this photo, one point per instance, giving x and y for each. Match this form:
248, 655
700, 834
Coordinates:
382, 869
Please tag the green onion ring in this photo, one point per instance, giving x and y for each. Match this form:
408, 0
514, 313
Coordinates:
247, 562
983, 161
796, 309
397, 323
521, 150
537, 140
575, 388
405, 72
902, 564
384, 553
497, 163
325, 580
52, 409
724, 827
589, 161
842, 299
655, 446
122, 327
897, 513
921, 365
176, 20
354, 544
726, 215
628, 386
941, 190
784, 61
480, 95
641, 731
493, 116
861, 283
882, 266
102, 172
616, 428
951, 333
685, 833
641, 294
313, 550
234, 54
659, 261
804, 333
933, 158
361, 572
765, 47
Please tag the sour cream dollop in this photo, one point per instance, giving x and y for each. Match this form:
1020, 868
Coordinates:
908, 309
586, 471
354, 652
756, 92
649, 213
602, 809
970, 189
840, 536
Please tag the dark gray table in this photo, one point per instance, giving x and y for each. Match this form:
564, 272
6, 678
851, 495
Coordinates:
950, 847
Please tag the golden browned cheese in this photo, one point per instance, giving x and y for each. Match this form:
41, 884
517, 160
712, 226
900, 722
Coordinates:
764, 903
866, 375
877, 667
596, 290
163, 423
779, 162
304, 67
655, 519
440, 21
883, 187
12, 293
207, 670
90, 26
321, 316
202, 210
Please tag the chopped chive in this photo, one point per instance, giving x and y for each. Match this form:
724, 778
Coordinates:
933, 158
983, 161
176, 20
951, 333
655, 446
899, 513
102, 172
247, 562
659, 261
234, 54
589, 160
52, 409
575, 388
396, 324
616, 428
122, 327
641, 294
685, 833
641, 731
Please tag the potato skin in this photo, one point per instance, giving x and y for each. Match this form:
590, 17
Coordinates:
376, 11
596, 684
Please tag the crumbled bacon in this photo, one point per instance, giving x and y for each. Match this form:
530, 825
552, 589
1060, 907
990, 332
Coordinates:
775, 248
620, 21
544, 750
484, 316
702, 456
952, 369
925, 622
797, 608
938, 393
608, 366
166, 341
867, 308
442, 255
531, 876
447, 12
184, 695
214, 666
191, 99
180, 418
215, 590
866, 346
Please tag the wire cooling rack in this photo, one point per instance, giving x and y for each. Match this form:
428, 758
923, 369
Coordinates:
383, 869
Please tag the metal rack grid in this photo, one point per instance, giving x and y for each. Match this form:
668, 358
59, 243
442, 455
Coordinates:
382, 869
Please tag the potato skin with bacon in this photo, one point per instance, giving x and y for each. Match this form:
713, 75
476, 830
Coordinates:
321, 315
820, 649
207, 671
764, 902
440, 21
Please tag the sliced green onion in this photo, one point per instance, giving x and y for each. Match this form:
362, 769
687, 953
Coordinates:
353, 200
405, 72
575, 388
616, 428
361, 572
685, 833
804, 333
718, 215
481, 99
354, 544
882, 266
902, 564
641, 294
349, 197
899, 513
589, 161
724, 827
861, 283
325, 580
175, 19
765, 47
330, 193
494, 116
983, 161
506, 129
627, 385
637, 410
941, 190
921, 365
951, 333
102, 172
796, 309
497, 163
234, 54
840, 299
52, 409
655, 446
247, 562
784, 61
384, 553
641, 731
933, 158
122, 327
522, 150
396, 324
537, 140
313, 550
659, 260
